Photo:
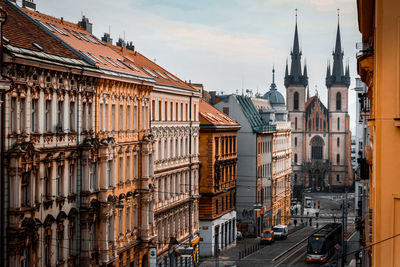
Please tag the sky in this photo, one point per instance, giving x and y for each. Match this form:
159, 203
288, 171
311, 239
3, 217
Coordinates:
227, 45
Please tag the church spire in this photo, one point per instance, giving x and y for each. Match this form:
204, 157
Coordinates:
295, 67
273, 85
337, 77
295, 77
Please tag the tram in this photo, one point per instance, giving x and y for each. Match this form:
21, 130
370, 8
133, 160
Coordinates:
321, 244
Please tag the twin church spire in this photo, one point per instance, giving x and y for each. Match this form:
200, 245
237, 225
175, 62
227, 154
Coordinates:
297, 77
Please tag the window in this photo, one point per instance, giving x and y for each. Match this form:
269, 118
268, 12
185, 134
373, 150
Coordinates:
59, 180
128, 219
338, 158
317, 122
92, 236
176, 111
338, 101
338, 141
71, 241
60, 115
121, 169
159, 110
216, 147
72, 116
108, 173
48, 116
92, 176
295, 141
25, 189
47, 183
113, 119
296, 101
120, 223
121, 117
295, 123
316, 147
59, 245
13, 115
295, 158
47, 248
128, 117
22, 115
128, 167
338, 124
109, 230
135, 167
225, 110
337, 178
71, 178
34, 112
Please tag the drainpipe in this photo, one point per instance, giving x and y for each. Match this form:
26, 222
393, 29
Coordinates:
3, 192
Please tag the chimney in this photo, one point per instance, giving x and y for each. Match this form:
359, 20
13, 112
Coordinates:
130, 46
106, 38
85, 24
28, 4
121, 43
212, 94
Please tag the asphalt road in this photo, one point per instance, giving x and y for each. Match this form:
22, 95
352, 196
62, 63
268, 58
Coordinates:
288, 252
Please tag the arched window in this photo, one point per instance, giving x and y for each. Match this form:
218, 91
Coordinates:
338, 101
338, 124
295, 123
316, 147
317, 122
295, 141
338, 141
338, 159
296, 101
295, 158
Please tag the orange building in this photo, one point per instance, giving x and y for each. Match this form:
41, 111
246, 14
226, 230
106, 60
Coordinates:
218, 174
116, 191
378, 66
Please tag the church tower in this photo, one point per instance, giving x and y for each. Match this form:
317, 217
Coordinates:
296, 82
337, 83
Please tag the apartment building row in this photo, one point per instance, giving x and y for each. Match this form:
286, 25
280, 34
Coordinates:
99, 149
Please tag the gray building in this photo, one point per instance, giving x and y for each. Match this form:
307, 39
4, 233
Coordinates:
253, 197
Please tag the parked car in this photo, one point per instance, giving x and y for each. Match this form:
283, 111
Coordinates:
280, 231
267, 237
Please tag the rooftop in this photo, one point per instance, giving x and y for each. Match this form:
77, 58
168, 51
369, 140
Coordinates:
212, 116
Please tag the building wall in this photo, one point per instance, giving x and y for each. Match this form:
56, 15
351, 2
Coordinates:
378, 68
175, 126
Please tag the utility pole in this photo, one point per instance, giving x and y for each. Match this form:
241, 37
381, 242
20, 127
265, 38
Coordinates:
344, 230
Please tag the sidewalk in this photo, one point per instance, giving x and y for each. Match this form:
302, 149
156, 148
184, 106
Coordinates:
228, 256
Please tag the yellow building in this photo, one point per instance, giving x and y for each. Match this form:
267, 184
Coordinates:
378, 66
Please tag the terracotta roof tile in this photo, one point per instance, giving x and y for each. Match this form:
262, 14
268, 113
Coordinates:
87, 44
22, 33
212, 116
162, 76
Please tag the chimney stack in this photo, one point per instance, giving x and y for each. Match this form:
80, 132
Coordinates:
106, 38
85, 24
28, 4
213, 95
130, 46
121, 43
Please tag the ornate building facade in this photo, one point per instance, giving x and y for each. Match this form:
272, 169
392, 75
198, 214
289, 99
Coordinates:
218, 154
175, 131
79, 153
321, 135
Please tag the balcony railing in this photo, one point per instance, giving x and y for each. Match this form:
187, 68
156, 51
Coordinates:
364, 50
